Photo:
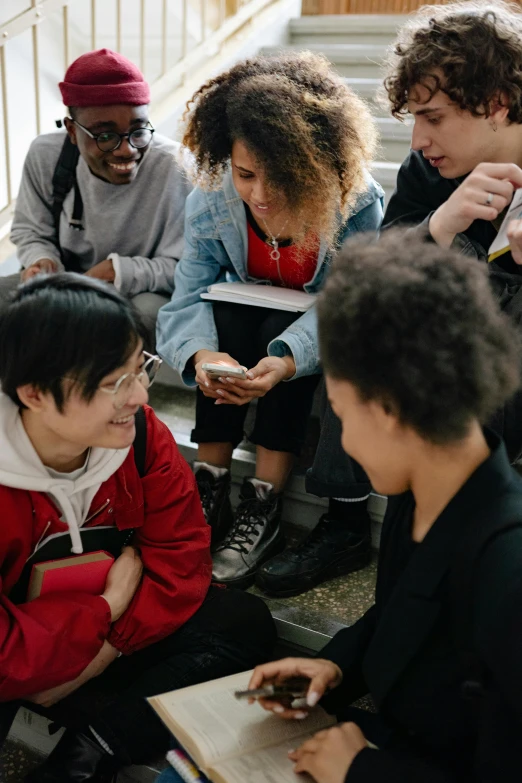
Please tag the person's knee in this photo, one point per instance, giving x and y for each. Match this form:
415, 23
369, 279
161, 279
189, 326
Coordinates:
246, 618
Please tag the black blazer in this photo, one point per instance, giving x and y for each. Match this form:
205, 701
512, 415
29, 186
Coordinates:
404, 650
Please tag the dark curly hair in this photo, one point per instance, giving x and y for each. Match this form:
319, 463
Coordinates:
310, 133
471, 50
415, 327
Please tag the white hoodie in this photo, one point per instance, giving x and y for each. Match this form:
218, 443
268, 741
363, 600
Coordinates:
21, 468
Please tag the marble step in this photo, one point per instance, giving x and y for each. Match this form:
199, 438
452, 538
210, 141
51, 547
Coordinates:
343, 29
359, 60
395, 139
386, 174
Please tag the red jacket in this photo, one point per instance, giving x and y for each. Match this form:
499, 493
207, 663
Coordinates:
50, 640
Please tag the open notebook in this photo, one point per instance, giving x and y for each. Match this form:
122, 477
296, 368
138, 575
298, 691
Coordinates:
261, 296
230, 740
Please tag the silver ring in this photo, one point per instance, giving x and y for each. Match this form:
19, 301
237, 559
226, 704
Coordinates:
489, 199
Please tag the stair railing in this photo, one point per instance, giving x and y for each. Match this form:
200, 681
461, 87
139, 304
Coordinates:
165, 38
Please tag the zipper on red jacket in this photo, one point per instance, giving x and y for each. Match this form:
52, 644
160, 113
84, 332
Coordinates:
39, 540
98, 511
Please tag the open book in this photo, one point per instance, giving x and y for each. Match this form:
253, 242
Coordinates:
230, 740
259, 295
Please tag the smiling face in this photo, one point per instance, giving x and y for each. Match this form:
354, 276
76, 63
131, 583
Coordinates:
454, 141
85, 424
250, 182
120, 166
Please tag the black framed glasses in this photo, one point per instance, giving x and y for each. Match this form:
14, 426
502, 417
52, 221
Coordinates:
108, 141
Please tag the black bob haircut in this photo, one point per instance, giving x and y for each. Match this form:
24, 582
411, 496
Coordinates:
416, 328
65, 325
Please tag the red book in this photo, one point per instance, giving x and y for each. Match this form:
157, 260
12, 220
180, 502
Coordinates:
79, 573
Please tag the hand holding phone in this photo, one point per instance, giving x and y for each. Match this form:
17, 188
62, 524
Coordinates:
215, 371
293, 688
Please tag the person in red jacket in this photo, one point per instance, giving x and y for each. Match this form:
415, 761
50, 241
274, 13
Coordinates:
74, 375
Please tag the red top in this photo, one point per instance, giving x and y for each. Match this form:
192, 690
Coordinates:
296, 269
52, 639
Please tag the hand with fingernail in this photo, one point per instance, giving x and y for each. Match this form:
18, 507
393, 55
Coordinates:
323, 675
260, 379
329, 754
210, 387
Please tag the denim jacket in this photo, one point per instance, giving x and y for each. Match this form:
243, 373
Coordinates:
216, 248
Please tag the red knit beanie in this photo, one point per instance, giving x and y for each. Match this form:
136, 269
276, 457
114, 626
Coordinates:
102, 78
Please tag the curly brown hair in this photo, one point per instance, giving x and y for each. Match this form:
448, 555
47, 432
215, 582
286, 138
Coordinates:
309, 132
470, 50
416, 327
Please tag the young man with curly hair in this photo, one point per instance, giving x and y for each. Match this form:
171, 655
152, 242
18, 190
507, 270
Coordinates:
281, 149
417, 356
457, 70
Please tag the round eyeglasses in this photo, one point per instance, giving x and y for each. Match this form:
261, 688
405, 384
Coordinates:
122, 389
108, 141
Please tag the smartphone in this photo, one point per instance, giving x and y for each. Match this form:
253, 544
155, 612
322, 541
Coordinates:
293, 688
223, 371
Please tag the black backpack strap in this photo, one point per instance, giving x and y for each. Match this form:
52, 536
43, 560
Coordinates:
140, 442
462, 576
64, 179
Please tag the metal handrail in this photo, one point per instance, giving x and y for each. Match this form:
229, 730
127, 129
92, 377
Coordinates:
202, 23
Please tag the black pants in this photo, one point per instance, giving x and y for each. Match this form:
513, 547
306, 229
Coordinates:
244, 332
334, 474
231, 632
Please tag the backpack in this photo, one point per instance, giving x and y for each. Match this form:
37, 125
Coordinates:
64, 180
140, 442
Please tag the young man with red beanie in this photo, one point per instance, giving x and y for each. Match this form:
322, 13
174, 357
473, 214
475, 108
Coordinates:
122, 214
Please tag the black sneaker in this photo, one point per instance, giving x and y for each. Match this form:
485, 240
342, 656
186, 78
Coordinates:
328, 551
214, 494
255, 536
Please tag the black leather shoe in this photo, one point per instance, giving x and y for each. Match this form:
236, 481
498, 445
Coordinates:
255, 536
76, 759
328, 551
215, 500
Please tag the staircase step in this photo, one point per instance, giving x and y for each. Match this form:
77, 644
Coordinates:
360, 60
395, 139
349, 28
386, 175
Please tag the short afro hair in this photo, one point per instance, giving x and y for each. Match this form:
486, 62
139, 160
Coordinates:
416, 328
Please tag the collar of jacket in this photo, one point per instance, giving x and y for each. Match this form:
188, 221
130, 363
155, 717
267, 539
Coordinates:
413, 608
229, 220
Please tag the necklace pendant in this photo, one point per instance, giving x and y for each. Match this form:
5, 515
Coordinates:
275, 255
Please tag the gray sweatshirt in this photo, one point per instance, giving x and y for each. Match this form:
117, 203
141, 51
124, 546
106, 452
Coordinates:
139, 225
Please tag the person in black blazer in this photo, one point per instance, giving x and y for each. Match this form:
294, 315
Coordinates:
417, 356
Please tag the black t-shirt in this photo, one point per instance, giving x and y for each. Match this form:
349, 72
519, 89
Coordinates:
420, 190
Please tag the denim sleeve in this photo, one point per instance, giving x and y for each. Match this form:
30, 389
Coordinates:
186, 324
300, 339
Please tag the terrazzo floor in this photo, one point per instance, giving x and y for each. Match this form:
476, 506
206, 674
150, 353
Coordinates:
16, 761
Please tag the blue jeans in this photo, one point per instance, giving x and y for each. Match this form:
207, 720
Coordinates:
334, 474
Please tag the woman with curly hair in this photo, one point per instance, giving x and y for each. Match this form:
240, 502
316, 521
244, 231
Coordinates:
281, 148
417, 355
